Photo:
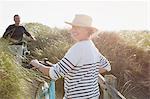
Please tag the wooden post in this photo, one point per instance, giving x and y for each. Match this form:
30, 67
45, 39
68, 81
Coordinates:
112, 80
108, 85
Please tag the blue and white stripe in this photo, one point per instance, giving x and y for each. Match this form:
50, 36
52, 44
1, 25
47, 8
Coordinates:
80, 80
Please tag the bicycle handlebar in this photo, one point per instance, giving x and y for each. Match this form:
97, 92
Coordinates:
44, 62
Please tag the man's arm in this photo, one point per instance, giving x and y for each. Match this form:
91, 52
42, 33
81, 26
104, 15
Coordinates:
6, 33
28, 34
25, 31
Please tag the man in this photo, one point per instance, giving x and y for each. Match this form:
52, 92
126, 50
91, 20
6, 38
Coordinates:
15, 32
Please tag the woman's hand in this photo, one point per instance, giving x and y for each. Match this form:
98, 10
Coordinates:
40, 67
35, 63
101, 70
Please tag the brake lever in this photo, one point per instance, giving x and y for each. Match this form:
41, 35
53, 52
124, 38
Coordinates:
44, 62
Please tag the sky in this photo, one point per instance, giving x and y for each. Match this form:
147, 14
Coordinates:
107, 15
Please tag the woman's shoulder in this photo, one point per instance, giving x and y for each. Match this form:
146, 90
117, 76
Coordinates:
80, 45
75, 47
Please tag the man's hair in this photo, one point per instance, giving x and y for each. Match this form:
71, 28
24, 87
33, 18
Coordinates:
16, 15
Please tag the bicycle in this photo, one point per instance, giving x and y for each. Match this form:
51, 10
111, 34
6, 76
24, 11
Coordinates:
19, 49
48, 90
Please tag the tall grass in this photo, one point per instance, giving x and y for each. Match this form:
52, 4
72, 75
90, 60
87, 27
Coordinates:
129, 60
16, 82
128, 52
9, 78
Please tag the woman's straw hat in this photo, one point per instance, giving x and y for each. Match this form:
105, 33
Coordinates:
82, 20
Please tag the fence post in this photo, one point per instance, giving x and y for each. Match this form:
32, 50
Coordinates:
112, 80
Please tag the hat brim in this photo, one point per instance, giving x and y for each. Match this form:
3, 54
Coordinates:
93, 28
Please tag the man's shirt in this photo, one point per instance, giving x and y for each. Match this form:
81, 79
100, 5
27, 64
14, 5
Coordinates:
15, 32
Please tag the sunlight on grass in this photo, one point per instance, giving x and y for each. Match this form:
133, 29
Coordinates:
128, 52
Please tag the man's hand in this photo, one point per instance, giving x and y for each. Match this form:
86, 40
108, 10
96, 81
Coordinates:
32, 37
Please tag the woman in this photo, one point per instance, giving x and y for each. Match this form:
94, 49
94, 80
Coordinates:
81, 64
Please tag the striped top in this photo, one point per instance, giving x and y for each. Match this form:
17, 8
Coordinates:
80, 68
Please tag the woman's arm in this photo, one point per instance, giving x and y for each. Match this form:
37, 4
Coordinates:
44, 69
40, 67
63, 67
104, 64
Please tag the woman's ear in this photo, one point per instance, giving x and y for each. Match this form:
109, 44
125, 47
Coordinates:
90, 30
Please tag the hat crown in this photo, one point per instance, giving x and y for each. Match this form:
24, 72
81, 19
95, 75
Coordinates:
82, 20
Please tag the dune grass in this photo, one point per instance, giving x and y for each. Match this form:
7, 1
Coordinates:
9, 78
16, 82
128, 52
129, 60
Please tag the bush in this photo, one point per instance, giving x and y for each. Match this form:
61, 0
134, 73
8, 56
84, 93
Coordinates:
129, 60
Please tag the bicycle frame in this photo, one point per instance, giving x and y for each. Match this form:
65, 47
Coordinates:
48, 91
